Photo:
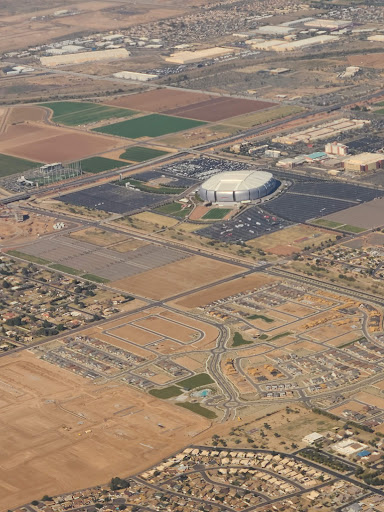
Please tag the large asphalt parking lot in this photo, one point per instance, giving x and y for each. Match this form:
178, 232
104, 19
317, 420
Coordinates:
113, 198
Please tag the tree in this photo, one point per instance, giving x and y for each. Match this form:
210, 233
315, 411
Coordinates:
118, 483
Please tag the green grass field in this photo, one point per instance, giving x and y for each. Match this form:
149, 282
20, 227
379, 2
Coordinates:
352, 229
146, 188
100, 164
216, 213
262, 317
65, 269
28, 257
72, 113
380, 111
96, 279
238, 340
198, 409
12, 165
173, 209
324, 223
281, 335
152, 125
202, 379
169, 392
141, 154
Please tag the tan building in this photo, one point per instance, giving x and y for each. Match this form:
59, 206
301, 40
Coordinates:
364, 162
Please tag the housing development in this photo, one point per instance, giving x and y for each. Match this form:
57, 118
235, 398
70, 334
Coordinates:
192, 256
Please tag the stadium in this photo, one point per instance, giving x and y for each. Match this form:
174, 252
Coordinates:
237, 186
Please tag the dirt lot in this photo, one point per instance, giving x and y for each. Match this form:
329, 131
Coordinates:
27, 113
224, 290
368, 215
176, 277
98, 236
159, 100
165, 327
375, 60
45, 412
219, 108
42, 143
13, 231
134, 334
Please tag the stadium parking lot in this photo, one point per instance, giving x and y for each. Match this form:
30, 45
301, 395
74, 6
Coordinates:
112, 198
252, 223
202, 168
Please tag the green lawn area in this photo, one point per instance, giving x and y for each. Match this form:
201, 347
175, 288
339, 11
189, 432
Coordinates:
100, 164
96, 279
152, 125
238, 340
66, 270
198, 409
216, 213
263, 337
12, 165
202, 379
174, 209
141, 154
72, 113
146, 188
327, 223
164, 393
352, 229
28, 257
281, 335
262, 317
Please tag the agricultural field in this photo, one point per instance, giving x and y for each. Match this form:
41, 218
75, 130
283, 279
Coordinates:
47, 143
12, 165
152, 125
72, 113
98, 164
141, 154
247, 121
216, 213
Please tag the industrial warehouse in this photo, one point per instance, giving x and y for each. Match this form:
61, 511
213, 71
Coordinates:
235, 187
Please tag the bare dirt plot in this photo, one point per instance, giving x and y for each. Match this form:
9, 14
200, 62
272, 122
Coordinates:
154, 218
26, 113
190, 362
142, 352
375, 60
177, 277
134, 334
368, 215
351, 405
168, 328
220, 291
129, 245
51, 144
166, 347
291, 239
11, 230
98, 236
345, 338
158, 100
331, 331
198, 136
211, 332
369, 399
219, 108
305, 347
40, 457
295, 309
379, 385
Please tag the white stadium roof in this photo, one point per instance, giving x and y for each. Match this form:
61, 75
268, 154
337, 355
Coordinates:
237, 180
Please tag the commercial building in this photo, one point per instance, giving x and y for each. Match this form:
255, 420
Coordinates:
365, 162
79, 58
329, 24
131, 75
188, 57
237, 186
336, 148
305, 43
322, 131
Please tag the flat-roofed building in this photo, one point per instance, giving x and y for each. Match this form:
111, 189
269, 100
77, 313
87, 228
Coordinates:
365, 162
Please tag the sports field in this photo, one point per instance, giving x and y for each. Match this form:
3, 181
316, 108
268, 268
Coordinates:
216, 213
72, 113
141, 154
152, 125
12, 165
100, 164
174, 209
